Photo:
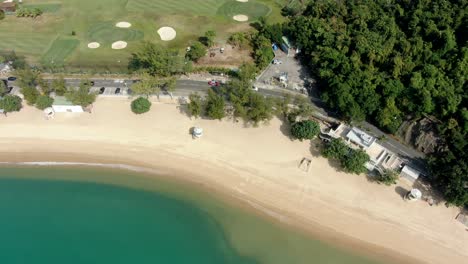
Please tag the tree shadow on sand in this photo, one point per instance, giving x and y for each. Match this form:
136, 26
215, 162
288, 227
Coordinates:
401, 191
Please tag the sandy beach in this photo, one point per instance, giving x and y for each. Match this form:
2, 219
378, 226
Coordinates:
257, 165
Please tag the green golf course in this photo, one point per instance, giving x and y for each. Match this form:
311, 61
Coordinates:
59, 37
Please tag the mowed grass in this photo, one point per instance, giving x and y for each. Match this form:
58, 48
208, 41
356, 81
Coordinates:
62, 33
61, 48
252, 9
107, 32
167, 7
45, 7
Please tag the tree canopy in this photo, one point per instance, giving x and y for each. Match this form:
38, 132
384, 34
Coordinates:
214, 105
306, 129
81, 96
140, 105
197, 51
388, 60
195, 105
157, 60
44, 101
381, 60
10, 103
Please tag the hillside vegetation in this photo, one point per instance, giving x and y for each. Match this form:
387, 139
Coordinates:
387, 61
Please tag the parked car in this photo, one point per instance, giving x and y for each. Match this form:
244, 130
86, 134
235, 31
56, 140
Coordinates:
213, 83
276, 62
101, 91
129, 91
11, 78
117, 91
255, 88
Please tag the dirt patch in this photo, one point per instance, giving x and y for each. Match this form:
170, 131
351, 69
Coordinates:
232, 57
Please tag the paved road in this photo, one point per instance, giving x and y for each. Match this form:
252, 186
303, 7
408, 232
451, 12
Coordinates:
185, 87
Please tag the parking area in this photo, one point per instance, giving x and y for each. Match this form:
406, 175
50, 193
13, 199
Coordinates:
111, 91
285, 71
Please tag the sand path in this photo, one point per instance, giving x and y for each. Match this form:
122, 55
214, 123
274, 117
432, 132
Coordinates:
257, 165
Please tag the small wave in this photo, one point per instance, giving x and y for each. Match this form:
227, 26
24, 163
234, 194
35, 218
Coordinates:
88, 164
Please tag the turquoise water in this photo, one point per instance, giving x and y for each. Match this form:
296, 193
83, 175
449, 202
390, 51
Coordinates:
108, 216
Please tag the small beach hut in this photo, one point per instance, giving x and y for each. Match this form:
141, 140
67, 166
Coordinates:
197, 132
413, 195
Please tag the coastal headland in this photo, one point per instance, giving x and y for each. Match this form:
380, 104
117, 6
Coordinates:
257, 166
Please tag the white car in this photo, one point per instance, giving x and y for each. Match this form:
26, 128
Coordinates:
276, 62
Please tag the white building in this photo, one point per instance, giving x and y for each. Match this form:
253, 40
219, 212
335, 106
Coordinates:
409, 173
62, 105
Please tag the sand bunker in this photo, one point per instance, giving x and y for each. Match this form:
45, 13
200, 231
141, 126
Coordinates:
93, 45
123, 25
119, 45
167, 33
243, 1
240, 18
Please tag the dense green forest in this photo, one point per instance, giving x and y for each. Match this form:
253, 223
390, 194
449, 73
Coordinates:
387, 61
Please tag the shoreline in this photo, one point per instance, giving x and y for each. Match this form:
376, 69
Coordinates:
315, 231
242, 165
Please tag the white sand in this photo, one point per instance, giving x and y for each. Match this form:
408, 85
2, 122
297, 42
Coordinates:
119, 45
123, 24
257, 165
240, 18
167, 33
243, 1
93, 45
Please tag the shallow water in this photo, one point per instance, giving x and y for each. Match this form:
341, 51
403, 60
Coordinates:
83, 215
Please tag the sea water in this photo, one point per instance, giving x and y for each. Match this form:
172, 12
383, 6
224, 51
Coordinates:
55, 215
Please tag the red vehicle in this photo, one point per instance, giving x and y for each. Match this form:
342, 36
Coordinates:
213, 83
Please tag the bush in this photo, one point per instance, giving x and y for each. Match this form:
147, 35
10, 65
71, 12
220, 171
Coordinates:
214, 105
140, 105
195, 105
30, 94
389, 177
197, 51
335, 149
305, 129
10, 103
354, 161
44, 101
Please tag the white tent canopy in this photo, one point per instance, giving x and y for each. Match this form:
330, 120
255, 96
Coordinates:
197, 132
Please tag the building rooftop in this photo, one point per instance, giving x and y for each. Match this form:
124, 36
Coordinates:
61, 100
360, 137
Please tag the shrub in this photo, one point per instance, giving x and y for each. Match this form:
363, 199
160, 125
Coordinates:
140, 105
335, 149
305, 129
44, 101
195, 105
214, 105
389, 177
354, 161
10, 103
197, 51
30, 94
